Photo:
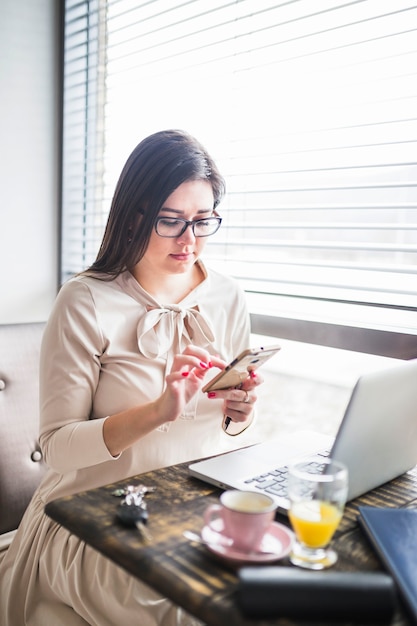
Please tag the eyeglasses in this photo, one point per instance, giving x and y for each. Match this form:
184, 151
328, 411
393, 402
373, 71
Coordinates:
175, 227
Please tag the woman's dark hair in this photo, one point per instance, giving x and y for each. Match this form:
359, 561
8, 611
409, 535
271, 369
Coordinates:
156, 167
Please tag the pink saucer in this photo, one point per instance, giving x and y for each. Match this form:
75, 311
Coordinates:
278, 541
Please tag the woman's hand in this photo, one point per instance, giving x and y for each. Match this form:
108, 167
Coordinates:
238, 403
185, 380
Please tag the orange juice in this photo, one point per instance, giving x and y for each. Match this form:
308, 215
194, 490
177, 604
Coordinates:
314, 522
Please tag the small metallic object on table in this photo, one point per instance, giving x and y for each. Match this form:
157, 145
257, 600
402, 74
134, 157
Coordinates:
132, 511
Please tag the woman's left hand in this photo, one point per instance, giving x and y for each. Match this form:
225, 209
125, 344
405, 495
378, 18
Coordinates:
238, 401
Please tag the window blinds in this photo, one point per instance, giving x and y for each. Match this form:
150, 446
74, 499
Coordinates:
309, 109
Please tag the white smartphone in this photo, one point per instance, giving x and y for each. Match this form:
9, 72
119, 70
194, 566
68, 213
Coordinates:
236, 372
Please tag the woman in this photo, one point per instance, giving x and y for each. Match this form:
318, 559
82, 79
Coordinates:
125, 353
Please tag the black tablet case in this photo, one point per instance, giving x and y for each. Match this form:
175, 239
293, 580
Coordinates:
393, 534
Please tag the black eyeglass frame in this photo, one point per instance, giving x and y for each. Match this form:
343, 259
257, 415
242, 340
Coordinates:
188, 223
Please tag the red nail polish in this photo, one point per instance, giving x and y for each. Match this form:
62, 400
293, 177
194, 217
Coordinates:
203, 365
211, 394
252, 374
210, 364
184, 373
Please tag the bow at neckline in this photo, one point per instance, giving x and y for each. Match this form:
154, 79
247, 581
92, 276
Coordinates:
172, 327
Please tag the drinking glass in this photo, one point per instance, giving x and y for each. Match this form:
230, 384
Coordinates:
317, 490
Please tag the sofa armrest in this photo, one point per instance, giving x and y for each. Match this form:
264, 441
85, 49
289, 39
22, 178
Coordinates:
21, 464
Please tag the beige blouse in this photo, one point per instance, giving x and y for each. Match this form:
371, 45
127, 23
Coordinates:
107, 347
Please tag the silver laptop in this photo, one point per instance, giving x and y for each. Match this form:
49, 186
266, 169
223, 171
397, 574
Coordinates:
377, 441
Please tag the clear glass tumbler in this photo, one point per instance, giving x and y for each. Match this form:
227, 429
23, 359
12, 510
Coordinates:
317, 490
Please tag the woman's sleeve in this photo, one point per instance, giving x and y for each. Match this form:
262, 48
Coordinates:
69, 372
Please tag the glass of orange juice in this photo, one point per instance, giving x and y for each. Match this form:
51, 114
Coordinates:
317, 490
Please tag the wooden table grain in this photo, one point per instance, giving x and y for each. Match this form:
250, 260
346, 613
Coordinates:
187, 573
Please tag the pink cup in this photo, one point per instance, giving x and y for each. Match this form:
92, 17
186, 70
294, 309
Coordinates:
242, 516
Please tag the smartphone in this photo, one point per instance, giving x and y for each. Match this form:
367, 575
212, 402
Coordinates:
236, 372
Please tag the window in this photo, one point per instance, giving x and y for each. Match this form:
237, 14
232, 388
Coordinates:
309, 110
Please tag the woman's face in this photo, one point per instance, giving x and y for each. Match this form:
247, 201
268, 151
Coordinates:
192, 200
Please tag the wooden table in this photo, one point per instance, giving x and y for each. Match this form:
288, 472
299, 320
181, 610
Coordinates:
187, 573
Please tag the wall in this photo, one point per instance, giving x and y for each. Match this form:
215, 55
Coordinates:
29, 158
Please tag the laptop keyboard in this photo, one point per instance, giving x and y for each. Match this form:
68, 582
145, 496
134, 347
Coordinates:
275, 481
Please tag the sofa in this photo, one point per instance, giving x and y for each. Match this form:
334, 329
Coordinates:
21, 463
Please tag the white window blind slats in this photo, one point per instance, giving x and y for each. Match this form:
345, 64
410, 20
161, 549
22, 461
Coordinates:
83, 101
309, 110
241, 40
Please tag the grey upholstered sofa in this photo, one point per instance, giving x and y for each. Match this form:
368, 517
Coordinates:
21, 464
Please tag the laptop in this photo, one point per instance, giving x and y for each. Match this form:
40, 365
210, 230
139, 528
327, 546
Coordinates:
376, 440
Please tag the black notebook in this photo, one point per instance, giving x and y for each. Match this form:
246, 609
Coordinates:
393, 534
